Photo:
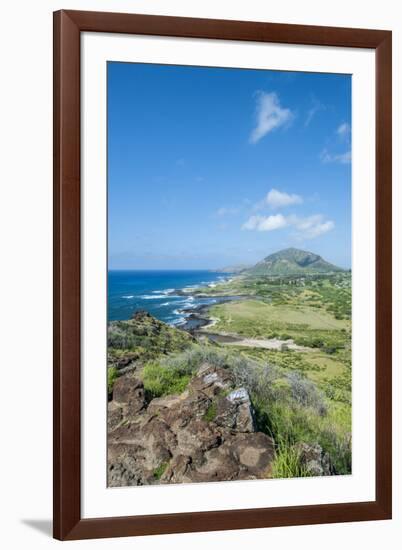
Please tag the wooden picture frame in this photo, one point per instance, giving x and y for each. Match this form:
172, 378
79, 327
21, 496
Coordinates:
68, 26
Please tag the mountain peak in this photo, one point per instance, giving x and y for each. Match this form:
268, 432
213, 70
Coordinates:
292, 261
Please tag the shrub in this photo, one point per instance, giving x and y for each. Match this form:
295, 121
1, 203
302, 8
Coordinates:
159, 380
339, 448
171, 374
112, 374
330, 349
304, 392
191, 359
147, 335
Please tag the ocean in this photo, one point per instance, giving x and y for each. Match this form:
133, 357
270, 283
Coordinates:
153, 291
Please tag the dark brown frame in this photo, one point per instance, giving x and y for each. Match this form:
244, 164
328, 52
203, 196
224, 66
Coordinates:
68, 26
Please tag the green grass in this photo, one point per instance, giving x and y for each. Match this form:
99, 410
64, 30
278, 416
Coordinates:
112, 374
160, 380
160, 470
323, 369
256, 318
313, 327
171, 374
289, 423
211, 413
287, 464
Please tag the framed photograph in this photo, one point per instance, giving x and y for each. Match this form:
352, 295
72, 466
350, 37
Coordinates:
222, 269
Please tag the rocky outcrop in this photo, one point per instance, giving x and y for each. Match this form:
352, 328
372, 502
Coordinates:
313, 459
208, 433
129, 397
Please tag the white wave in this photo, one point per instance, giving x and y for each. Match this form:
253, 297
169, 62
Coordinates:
159, 296
179, 321
128, 297
181, 302
180, 312
189, 303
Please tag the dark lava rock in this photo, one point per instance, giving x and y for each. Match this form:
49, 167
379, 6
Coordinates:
129, 394
207, 433
314, 460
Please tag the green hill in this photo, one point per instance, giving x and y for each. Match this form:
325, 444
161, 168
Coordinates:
292, 261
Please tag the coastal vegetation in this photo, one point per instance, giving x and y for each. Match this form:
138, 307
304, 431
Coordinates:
286, 344
142, 338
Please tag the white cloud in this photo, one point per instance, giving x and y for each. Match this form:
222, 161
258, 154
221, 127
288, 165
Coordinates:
265, 223
272, 222
341, 158
251, 223
270, 115
306, 228
316, 107
343, 130
312, 226
277, 199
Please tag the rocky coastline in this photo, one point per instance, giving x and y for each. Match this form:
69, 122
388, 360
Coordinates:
197, 317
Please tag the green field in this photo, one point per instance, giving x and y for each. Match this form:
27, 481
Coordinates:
254, 317
309, 327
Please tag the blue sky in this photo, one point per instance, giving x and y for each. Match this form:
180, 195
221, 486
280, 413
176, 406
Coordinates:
212, 167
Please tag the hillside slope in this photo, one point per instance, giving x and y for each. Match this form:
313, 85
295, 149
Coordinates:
292, 261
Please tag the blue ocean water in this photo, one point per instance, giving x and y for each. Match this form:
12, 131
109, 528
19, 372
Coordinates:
153, 291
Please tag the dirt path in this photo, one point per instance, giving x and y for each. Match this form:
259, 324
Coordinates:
265, 343
269, 343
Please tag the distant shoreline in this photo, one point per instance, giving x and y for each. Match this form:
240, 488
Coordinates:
182, 297
197, 317
170, 296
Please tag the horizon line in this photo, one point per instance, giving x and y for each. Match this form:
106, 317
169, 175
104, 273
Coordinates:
215, 270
